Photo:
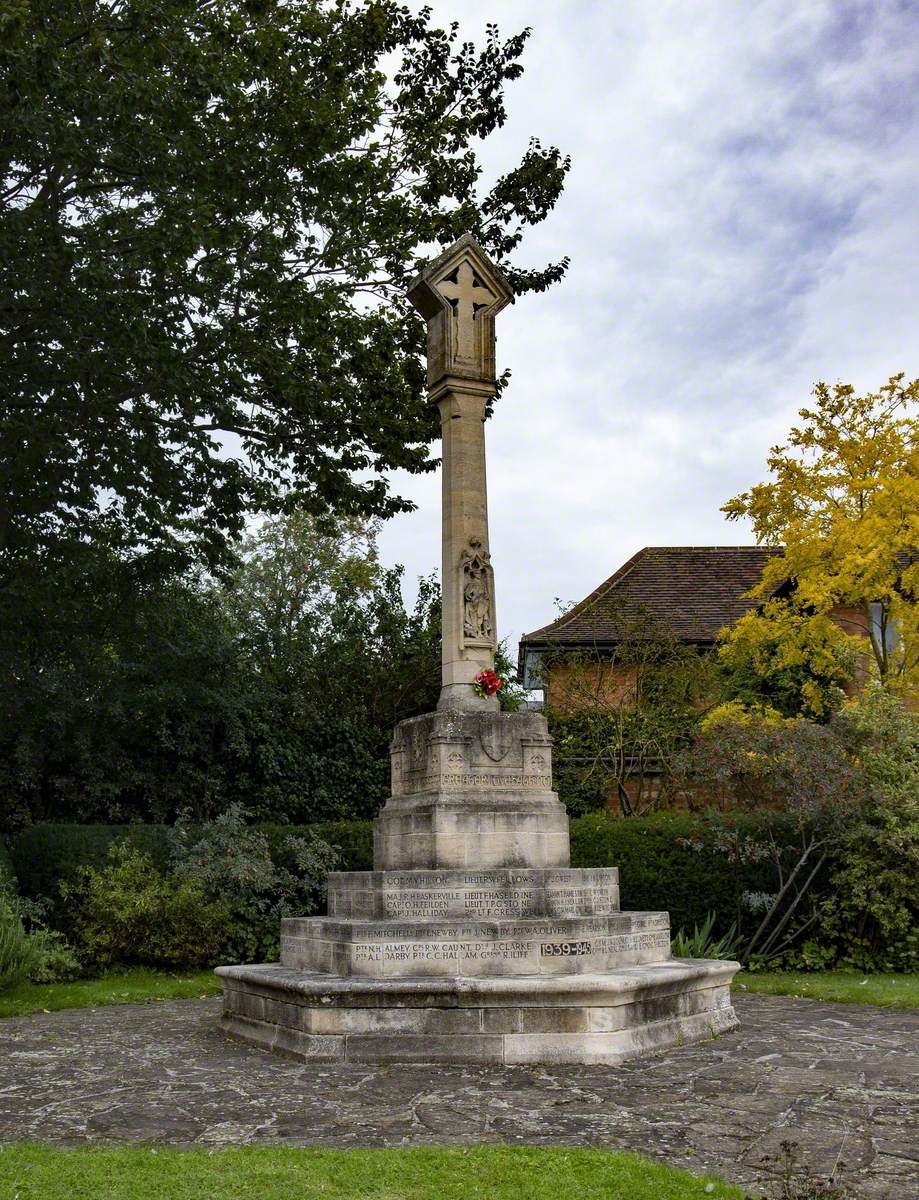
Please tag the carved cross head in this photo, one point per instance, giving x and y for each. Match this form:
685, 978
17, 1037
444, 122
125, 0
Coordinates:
460, 294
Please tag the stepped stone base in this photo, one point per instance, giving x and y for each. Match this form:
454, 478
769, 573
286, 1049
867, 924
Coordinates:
595, 1018
473, 940
474, 894
535, 946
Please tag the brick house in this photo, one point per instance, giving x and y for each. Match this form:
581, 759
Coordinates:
685, 594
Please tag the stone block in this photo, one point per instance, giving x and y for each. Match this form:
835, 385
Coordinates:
473, 893
526, 946
606, 1017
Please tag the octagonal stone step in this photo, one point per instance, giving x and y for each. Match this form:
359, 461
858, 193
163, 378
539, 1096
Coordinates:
529, 946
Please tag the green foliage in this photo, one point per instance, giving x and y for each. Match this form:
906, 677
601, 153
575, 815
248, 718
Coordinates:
701, 943
128, 912
47, 854
210, 216
581, 775
28, 948
277, 688
231, 863
683, 863
7, 871
19, 953
121, 698
870, 916
801, 769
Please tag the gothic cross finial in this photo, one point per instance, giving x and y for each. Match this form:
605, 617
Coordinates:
467, 294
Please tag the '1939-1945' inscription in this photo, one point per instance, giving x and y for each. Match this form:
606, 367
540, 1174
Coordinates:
564, 949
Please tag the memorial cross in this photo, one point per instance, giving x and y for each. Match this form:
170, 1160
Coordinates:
460, 293
467, 296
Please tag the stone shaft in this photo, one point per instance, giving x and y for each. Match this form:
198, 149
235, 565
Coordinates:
459, 294
469, 623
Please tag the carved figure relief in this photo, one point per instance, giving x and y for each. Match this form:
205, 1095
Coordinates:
478, 625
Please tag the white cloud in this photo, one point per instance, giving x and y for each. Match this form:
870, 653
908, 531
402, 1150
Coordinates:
741, 220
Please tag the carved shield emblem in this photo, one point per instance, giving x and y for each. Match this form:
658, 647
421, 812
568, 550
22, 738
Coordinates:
494, 745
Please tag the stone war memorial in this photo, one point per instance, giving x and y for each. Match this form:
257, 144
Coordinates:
473, 940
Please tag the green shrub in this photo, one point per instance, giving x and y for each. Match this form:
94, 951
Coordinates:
7, 873
677, 862
352, 841
128, 912
702, 943
19, 953
46, 855
28, 948
869, 918
232, 864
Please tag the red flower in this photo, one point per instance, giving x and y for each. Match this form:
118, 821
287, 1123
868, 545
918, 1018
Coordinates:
486, 683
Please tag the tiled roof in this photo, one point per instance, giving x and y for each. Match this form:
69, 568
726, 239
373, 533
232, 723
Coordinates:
688, 591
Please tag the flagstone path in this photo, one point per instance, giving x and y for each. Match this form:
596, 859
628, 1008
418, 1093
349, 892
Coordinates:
840, 1080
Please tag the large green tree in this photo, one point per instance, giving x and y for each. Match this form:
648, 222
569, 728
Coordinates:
276, 687
210, 213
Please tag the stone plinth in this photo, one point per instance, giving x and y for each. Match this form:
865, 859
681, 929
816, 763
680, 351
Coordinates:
603, 1018
473, 894
471, 789
529, 946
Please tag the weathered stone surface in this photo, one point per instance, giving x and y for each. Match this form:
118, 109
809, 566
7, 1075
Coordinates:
566, 1018
525, 946
471, 852
456, 752
459, 294
474, 893
471, 789
841, 1080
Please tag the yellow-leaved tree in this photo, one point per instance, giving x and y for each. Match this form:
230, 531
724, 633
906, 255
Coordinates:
842, 602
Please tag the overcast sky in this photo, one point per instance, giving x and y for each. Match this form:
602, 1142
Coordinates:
742, 217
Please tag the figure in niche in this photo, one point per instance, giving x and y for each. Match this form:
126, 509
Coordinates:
477, 623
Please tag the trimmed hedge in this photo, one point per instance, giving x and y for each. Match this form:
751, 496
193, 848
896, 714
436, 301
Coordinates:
658, 871
44, 855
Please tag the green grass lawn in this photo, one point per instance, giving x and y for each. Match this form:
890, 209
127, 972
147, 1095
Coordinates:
118, 987
125, 987
489, 1172
848, 987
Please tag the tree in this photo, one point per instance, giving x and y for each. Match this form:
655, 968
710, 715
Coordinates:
210, 213
620, 715
844, 503
800, 770
275, 687
338, 660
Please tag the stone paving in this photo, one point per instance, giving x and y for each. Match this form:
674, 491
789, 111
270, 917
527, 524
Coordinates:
838, 1079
